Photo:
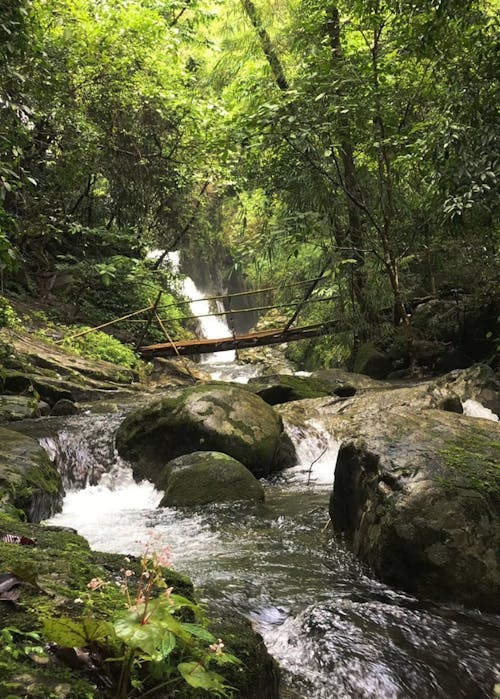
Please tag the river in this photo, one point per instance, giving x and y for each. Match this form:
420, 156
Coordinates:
336, 632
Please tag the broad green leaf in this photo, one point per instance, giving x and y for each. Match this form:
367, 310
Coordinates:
76, 634
199, 632
196, 676
146, 637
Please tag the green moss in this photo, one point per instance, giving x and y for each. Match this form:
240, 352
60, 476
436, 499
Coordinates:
475, 464
27, 478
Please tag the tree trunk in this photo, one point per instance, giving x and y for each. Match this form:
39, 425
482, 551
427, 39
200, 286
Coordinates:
351, 180
266, 44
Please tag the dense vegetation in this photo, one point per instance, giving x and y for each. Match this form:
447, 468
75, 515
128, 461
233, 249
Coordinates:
276, 141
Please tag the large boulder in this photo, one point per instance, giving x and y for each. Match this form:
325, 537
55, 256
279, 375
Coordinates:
283, 388
28, 480
417, 495
205, 418
205, 477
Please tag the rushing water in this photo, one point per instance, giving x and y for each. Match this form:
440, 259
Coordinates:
335, 631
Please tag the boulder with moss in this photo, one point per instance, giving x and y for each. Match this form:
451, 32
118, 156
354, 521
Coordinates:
28, 480
417, 495
14, 408
283, 388
205, 477
213, 417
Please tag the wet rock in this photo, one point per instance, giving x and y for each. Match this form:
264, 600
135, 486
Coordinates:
179, 370
213, 417
28, 480
21, 408
417, 495
207, 476
371, 361
478, 383
64, 407
261, 676
345, 383
283, 388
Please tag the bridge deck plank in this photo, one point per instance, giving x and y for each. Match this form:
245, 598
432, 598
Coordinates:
255, 339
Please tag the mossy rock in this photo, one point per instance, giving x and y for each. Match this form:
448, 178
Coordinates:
14, 408
205, 477
213, 417
258, 677
54, 575
417, 495
371, 361
28, 480
49, 389
284, 388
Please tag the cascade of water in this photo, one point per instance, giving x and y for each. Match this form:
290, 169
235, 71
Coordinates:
335, 631
83, 450
212, 326
317, 453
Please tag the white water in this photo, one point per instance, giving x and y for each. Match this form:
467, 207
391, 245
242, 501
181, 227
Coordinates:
317, 453
212, 327
473, 408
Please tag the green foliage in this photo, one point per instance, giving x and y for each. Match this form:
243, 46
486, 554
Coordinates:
8, 317
150, 640
99, 345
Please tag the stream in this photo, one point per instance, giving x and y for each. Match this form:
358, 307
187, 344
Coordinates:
335, 631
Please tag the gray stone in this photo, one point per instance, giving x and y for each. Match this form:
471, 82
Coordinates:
214, 417
205, 477
64, 407
28, 480
417, 495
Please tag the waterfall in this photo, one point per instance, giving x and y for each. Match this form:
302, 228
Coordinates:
212, 326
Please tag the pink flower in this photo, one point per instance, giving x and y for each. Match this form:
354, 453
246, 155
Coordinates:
95, 583
217, 647
128, 573
165, 557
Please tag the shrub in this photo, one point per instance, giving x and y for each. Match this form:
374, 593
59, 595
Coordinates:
8, 316
98, 345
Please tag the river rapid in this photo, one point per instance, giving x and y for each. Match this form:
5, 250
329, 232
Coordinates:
335, 631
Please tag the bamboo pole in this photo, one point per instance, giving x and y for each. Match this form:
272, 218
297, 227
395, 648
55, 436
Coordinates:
167, 335
103, 325
314, 284
149, 320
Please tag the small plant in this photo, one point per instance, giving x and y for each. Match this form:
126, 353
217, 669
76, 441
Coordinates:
160, 640
99, 345
8, 316
18, 644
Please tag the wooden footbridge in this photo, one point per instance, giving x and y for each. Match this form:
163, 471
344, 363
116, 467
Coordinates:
236, 342
287, 332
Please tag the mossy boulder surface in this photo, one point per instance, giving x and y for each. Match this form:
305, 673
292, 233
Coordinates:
283, 388
14, 408
418, 497
207, 476
213, 417
28, 480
